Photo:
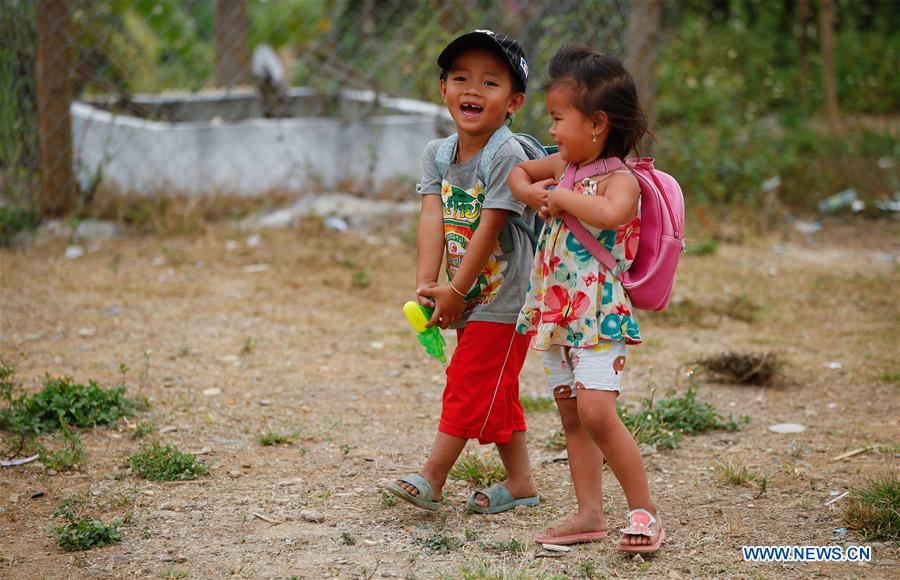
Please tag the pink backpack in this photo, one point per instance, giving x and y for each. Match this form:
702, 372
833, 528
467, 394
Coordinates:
651, 276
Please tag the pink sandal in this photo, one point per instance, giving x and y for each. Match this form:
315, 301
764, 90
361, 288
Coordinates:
640, 523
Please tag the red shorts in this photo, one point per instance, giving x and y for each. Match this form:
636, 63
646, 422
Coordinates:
481, 399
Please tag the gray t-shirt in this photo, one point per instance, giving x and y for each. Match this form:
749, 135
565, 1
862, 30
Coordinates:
499, 291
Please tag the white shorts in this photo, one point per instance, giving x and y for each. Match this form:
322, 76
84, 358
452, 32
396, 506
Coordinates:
595, 367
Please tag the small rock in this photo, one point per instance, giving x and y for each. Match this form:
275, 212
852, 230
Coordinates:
787, 428
377, 345
230, 245
556, 548
226, 441
166, 559
311, 516
213, 392
835, 365
336, 223
34, 337
51, 472
96, 230
255, 268
252, 241
2, 510
74, 252
885, 562
14, 498
264, 402
637, 559
159, 261
86, 332
234, 474
168, 429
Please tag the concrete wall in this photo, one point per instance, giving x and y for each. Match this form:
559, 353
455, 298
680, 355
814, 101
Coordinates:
249, 157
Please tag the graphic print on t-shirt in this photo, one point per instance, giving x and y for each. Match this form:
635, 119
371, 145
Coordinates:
462, 213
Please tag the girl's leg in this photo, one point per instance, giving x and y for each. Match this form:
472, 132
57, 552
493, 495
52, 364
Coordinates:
597, 412
586, 468
444, 453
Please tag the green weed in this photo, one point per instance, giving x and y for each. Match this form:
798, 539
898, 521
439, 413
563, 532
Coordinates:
513, 545
478, 470
663, 422
874, 511
63, 401
439, 543
706, 247
538, 404
82, 533
69, 458
890, 377
738, 474
166, 463
347, 539
271, 438
142, 429
556, 441
250, 344
388, 499
170, 573
14, 220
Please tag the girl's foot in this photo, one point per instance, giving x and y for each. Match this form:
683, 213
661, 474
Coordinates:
642, 520
580, 523
518, 489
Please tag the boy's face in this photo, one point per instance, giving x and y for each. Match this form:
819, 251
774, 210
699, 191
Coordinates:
478, 92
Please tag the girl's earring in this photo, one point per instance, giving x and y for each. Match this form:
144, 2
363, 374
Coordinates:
595, 137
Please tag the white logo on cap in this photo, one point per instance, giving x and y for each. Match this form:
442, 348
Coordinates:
491, 32
524, 66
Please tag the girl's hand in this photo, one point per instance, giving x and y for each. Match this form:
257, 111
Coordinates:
425, 300
536, 194
544, 213
448, 308
555, 201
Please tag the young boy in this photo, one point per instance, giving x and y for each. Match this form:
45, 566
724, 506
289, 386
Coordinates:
483, 80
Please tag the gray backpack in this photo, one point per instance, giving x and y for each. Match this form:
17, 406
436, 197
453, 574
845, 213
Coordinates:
533, 149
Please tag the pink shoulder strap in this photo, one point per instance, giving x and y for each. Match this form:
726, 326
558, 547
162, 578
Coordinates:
590, 243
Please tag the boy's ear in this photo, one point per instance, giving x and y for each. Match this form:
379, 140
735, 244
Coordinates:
515, 102
443, 90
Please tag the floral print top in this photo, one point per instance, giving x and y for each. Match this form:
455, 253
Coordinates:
574, 300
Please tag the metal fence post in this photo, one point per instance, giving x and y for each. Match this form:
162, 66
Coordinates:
643, 40
232, 24
54, 99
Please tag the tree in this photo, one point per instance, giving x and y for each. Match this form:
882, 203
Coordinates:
232, 24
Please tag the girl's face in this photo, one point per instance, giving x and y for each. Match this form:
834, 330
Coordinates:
570, 129
479, 92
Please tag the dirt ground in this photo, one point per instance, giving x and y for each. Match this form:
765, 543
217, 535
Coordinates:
286, 336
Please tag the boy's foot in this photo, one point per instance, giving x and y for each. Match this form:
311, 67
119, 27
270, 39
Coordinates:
515, 489
644, 532
576, 529
414, 491
423, 495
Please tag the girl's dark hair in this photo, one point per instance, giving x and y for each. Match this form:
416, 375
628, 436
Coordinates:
601, 83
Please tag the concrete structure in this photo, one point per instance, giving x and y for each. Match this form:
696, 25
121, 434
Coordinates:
216, 142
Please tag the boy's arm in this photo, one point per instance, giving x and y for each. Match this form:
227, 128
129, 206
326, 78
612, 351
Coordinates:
449, 304
429, 245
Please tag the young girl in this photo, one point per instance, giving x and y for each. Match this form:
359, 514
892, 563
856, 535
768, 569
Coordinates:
576, 309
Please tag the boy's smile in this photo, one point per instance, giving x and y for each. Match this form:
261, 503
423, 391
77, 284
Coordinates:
479, 92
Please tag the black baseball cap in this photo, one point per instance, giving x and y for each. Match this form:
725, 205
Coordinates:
504, 45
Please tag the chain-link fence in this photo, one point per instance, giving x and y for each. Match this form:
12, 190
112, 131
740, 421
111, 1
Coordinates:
248, 96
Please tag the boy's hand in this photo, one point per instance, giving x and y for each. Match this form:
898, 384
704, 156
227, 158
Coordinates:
448, 307
425, 300
536, 194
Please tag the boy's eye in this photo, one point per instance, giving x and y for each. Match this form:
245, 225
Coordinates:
459, 78
491, 84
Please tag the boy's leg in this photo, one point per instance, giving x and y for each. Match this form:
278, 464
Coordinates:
597, 412
444, 453
586, 468
518, 482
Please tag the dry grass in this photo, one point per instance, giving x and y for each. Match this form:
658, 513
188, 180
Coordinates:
742, 368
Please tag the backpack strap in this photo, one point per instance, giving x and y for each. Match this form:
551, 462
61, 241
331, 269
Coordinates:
445, 154
590, 243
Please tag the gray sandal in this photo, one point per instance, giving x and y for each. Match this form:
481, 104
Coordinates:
423, 500
499, 500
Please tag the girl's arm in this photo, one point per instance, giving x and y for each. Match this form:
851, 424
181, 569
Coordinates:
608, 211
529, 181
449, 304
429, 245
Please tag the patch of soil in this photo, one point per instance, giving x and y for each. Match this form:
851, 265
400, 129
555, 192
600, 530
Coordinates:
286, 337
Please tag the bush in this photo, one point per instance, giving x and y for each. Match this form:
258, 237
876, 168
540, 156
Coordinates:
874, 511
63, 401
